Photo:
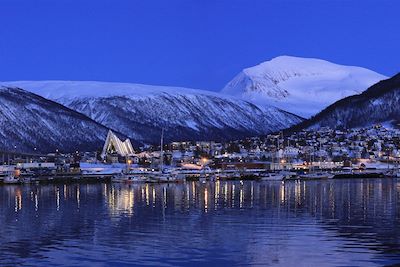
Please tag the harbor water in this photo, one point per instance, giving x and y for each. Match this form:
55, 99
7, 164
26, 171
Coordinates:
310, 223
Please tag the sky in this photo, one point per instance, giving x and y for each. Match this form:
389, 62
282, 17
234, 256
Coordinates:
191, 43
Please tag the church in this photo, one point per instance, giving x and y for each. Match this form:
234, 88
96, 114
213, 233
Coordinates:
115, 150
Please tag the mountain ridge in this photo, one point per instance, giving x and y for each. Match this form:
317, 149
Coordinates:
51, 125
140, 111
378, 104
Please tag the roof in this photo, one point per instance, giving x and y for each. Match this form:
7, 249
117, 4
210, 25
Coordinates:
122, 148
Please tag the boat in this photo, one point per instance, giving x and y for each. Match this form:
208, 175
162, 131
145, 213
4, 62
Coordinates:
131, 177
362, 174
11, 178
176, 176
271, 176
289, 175
159, 177
316, 176
223, 176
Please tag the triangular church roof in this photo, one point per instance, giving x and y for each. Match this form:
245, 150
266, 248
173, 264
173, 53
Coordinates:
122, 148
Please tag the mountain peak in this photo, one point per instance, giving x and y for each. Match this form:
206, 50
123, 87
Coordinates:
303, 86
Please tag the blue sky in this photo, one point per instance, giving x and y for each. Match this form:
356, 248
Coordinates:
193, 43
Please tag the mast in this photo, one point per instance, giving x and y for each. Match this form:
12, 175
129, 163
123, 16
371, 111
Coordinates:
278, 159
272, 160
320, 156
162, 151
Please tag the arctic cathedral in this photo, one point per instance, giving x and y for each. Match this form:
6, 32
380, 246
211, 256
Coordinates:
114, 149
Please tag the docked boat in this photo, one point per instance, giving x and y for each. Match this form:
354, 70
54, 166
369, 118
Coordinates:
289, 175
160, 177
316, 176
11, 178
271, 176
131, 177
223, 175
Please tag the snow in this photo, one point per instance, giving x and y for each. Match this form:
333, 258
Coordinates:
139, 111
251, 104
303, 86
30, 121
65, 91
192, 124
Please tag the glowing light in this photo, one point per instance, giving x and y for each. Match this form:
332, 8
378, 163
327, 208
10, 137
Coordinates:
164, 197
205, 199
36, 202
241, 198
154, 197
78, 198
58, 199
147, 195
233, 195
18, 200
282, 193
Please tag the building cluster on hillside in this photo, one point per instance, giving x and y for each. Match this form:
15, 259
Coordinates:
323, 148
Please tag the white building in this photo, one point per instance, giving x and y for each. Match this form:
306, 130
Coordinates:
114, 145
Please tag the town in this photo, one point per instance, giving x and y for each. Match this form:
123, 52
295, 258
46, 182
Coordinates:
307, 154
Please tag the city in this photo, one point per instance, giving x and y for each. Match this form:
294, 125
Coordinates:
199, 133
357, 153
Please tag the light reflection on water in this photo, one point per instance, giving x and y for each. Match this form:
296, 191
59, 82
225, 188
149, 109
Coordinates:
315, 223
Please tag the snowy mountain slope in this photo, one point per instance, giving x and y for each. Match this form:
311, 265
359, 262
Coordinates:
70, 90
378, 104
303, 86
141, 111
28, 121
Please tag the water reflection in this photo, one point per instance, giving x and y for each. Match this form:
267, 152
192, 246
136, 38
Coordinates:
328, 223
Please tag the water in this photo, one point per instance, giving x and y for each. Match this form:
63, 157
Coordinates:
314, 223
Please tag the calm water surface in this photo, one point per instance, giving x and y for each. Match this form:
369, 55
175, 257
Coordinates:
314, 223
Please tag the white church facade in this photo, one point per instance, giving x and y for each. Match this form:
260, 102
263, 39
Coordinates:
114, 148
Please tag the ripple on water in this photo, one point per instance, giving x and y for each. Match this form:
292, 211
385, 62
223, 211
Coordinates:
334, 223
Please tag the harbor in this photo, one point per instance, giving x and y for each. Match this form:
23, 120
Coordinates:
93, 173
196, 223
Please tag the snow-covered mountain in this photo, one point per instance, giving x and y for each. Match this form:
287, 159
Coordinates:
379, 104
141, 111
303, 86
30, 121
